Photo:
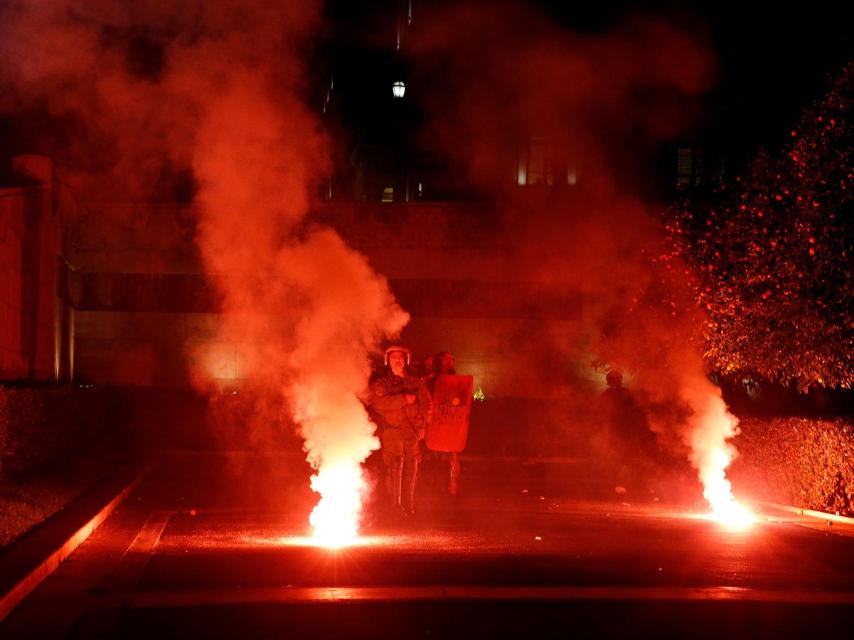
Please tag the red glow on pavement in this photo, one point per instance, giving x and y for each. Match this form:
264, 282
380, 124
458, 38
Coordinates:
374, 541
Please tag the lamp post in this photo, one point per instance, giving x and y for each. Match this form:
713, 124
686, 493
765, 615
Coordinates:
398, 88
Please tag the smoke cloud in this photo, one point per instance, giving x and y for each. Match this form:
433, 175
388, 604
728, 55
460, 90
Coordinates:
598, 105
149, 88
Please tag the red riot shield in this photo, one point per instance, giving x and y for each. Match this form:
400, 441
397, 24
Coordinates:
451, 409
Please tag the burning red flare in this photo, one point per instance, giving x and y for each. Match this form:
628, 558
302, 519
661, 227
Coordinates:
725, 508
335, 519
712, 454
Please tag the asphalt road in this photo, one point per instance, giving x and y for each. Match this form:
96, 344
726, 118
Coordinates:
213, 546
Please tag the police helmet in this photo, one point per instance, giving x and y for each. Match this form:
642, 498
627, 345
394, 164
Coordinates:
407, 353
614, 378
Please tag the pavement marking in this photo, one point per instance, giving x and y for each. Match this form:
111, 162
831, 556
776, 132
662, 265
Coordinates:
26, 585
136, 556
297, 595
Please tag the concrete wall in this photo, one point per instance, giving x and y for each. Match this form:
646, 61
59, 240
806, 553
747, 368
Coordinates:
13, 364
145, 314
33, 327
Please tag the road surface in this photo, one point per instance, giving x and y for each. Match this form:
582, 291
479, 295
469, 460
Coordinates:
213, 546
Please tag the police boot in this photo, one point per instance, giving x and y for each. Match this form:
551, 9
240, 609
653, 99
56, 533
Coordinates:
410, 478
454, 475
394, 479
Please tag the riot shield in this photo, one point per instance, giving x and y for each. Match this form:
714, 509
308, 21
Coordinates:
449, 427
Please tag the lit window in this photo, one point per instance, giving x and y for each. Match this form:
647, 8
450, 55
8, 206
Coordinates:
388, 194
522, 172
535, 163
688, 166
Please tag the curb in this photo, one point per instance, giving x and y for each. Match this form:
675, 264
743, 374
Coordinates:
33, 576
809, 513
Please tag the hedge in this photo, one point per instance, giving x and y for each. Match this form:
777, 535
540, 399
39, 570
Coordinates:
43, 428
804, 462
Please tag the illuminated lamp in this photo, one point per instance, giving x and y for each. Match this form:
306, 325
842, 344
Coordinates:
398, 88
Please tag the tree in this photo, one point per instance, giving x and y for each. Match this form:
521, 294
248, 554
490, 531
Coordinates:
772, 254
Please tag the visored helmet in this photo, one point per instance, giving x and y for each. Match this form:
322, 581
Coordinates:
406, 351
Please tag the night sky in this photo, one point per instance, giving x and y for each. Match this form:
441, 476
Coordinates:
774, 60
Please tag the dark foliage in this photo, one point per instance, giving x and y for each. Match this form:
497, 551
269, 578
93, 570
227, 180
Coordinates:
771, 254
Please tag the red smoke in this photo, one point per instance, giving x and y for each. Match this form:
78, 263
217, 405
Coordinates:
496, 76
217, 87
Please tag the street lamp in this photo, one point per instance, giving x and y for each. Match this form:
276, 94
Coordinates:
398, 89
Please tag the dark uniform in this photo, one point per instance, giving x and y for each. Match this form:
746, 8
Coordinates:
402, 428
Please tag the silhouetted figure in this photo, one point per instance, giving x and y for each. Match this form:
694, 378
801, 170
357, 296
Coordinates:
425, 369
442, 362
632, 445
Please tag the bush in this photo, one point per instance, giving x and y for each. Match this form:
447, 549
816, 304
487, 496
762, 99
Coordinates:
31, 430
804, 462
44, 428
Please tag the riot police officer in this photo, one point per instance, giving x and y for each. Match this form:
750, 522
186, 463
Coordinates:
403, 406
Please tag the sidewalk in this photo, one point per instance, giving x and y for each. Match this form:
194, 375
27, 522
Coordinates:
24, 564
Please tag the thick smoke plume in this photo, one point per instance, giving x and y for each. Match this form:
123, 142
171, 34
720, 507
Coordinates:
599, 105
144, 89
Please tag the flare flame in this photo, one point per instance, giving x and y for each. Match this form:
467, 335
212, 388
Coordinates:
712, 454
335, 519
